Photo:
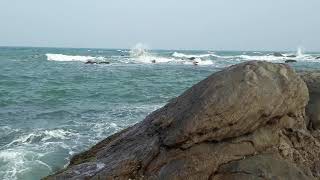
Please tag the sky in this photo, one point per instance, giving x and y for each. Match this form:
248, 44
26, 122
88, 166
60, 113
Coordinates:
162, 24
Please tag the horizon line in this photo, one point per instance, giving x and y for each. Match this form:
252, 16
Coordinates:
159, 49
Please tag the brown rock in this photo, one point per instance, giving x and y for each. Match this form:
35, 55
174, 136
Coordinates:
239, 112
265, 166
231, 103
312, 80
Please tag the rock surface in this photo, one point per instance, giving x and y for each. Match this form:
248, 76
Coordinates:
312, 80
245, 122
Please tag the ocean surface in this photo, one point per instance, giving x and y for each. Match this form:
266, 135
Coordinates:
53, 105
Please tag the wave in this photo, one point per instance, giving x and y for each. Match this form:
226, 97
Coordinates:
181, 55
62, 57
21, 161
41, 136
140, 54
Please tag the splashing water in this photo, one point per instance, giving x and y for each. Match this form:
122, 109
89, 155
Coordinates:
139, 50
300, 52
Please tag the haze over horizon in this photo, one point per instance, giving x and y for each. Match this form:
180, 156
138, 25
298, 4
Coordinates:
215, 25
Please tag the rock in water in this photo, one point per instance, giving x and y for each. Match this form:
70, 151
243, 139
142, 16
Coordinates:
248, 110
318, 57
290, 61
292, 56
91, 62
277, 54
104, 62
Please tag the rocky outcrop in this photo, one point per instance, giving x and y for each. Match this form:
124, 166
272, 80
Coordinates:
245, 122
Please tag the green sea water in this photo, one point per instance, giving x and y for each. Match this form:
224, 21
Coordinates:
53, 105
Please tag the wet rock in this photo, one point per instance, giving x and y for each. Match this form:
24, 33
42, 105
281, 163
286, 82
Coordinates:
192, 58
91, 62
96, 62
318, 57
292, 56
290, 61
240, 112
153, 61
104, 62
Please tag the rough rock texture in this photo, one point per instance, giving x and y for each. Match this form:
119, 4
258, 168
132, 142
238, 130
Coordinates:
312, 80
245, 122
265, 166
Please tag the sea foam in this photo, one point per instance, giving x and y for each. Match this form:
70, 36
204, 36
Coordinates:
62, 57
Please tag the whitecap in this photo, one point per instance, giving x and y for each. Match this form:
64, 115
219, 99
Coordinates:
41, 136
181, 55
62, 57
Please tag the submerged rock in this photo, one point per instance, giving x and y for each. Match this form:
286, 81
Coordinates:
245, 122
192, 58
292, 56
318, 57
96, 62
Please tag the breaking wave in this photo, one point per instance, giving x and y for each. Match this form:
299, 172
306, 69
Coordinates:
181, 55
62, 57
140, 54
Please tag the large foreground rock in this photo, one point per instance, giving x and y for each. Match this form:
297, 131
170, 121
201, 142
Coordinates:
247, 121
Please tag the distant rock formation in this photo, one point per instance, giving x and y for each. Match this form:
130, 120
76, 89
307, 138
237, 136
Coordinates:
247, 121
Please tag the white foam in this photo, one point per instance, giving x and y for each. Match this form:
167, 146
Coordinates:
40, 135
62, 57
199, 61
150, 59
262, 58
181, 55
17, 161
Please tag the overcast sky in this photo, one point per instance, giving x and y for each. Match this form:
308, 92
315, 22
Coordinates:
162, 24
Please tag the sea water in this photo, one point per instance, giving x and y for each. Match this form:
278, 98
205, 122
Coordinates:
54, 105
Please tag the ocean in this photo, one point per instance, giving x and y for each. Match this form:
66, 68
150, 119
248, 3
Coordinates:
54, 105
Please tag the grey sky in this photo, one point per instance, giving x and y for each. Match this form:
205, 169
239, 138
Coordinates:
165, 24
